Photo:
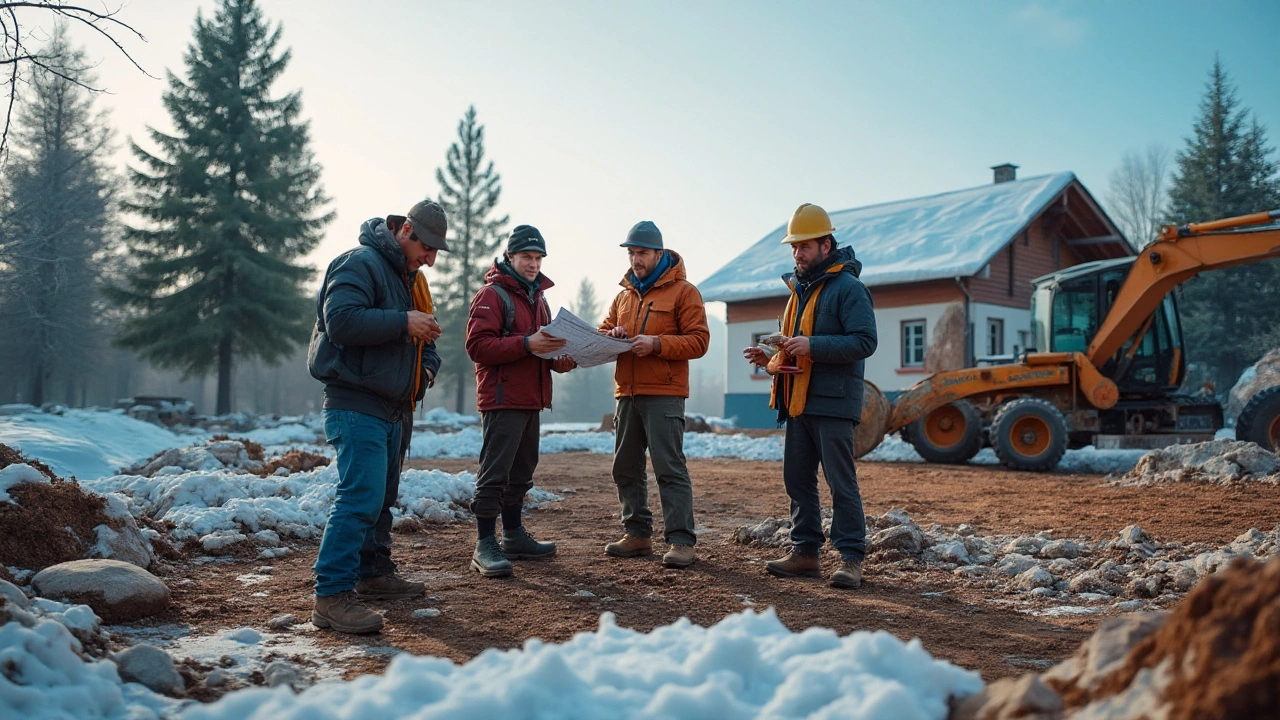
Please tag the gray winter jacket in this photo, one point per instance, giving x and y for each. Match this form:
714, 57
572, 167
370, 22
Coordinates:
360, 348
844, 335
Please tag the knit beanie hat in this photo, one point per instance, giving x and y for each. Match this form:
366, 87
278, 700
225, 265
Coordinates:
526, 237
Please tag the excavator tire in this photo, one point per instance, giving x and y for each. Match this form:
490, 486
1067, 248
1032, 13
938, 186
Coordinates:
1029, 434
951, 434
875, 415
1259, 421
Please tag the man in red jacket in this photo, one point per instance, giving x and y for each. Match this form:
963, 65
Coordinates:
513, 386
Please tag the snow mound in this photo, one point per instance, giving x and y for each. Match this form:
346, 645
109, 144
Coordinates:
17, 474
747, 665
86, 443
1221, 462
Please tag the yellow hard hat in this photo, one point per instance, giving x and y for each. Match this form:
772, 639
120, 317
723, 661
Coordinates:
808, 222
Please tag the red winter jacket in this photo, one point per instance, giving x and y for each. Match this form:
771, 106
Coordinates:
508, 377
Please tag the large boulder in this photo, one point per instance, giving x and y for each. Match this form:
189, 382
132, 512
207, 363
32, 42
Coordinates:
117, 591
908, 539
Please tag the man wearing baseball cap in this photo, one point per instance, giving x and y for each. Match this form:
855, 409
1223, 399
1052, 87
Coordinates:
373, 347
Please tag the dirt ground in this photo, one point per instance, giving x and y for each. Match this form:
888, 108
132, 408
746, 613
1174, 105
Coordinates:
542, 600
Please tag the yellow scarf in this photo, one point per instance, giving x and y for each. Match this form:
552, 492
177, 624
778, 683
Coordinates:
791, 389
422, 303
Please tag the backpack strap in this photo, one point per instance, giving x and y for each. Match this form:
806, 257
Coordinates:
508, 309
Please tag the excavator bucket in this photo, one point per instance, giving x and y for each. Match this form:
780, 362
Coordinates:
875, 417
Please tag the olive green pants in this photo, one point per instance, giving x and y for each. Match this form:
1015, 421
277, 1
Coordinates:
654, 423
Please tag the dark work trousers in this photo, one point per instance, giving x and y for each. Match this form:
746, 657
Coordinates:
810, 440
508, 457
375, 553
655, 422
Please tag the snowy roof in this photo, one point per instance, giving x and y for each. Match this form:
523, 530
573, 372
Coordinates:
954, 234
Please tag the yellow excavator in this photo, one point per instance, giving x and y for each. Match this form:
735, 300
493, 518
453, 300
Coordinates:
1111, 375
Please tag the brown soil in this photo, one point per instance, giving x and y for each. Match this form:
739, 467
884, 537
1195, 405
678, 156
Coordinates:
253, 449
1224, 641
49, 524
295, 461
961, 625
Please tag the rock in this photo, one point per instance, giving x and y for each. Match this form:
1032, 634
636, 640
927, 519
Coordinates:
1092, 581
975, 545
895, 516
1129, 605
971, 571
1221, 462
1183, 577
117, 591
1024, 546
1104, 651
1015, 564
772, 531
1061, 549
1146, 587
908, 538
266, 538
150, 666
1061, 566
1032, 578
215, 678
953, 552
965, 530
1136, 539
14, 594
280, 673
283, 622
1007, 698
127, 545
222, 542
422, 613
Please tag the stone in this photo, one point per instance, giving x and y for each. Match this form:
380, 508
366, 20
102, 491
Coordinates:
14, 594
1007, 698
1061, 549
1032, 578
1104, 651
222, 542
126, 544
953, 552
971, 571
283, 622
279, 673
1061, 566
965, 530
1146, 587
1092, 581
149, 666
423, 613
895, 516
266, 538
117, 591
1183, 577
215, 678
908, 538
1015, 564
1024, 545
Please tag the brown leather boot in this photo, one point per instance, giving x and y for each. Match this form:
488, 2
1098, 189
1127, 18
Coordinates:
388, 587
795, 565
848, 576
343, 613
630, 546
679, 556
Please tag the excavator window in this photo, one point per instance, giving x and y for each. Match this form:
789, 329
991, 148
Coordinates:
1075, 314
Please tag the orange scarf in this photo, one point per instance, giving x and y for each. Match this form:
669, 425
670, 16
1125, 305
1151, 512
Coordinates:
791, 389
422, 303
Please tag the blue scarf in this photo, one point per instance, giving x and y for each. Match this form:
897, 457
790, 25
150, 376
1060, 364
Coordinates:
645, 285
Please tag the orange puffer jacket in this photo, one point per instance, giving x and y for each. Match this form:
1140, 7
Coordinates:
673, 311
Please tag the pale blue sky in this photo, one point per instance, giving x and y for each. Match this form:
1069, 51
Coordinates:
717, 119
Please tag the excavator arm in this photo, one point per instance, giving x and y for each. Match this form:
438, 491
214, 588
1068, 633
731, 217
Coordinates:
1179, 254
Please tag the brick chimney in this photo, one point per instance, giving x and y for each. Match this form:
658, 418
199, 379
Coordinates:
1007, 172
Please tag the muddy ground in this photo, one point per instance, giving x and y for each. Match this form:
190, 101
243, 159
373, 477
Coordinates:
546, 600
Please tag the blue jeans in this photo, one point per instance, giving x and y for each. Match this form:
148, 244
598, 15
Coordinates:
369, 456
812, 440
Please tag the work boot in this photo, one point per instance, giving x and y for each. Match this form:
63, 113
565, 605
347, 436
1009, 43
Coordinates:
630, 546
518, 544
388, 587
848, 576
795, 565
679, 556
488, 559
344, 613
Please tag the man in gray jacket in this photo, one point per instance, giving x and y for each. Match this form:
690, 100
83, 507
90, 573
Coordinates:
817, 390
372, 350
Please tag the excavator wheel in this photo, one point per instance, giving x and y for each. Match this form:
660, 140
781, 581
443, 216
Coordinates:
950, 434
1260, 420
1029, 434
875, 415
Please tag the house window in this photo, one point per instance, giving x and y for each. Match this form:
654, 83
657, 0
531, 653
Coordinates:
995, 336
755, 340
912, 343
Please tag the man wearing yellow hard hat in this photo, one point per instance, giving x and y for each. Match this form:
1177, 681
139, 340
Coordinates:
828, 330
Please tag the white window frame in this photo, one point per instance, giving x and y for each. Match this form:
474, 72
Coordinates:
912, 343
995, 336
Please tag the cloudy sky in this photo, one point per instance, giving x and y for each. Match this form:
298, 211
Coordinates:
716, 119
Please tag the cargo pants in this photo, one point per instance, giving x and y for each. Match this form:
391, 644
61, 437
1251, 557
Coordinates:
654, 423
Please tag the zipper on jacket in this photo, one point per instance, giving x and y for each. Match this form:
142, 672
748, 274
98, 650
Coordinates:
645, 321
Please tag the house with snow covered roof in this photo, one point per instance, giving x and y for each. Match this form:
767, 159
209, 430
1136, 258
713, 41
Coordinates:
950, 276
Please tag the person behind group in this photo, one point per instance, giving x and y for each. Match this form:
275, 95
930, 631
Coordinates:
375, 353
832, 329
513, 386
662, 314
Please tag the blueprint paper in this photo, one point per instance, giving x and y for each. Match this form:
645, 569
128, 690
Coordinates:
586, 346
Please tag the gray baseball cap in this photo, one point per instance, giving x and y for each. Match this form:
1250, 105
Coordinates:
429, 224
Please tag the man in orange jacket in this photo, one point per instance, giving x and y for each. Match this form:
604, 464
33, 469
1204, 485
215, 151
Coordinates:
663, 315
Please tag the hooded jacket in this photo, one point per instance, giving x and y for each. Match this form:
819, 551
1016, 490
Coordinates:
844, 335
508, 376
360, 347
673, 311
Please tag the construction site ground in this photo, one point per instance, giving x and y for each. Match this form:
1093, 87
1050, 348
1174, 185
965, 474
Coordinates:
554, 599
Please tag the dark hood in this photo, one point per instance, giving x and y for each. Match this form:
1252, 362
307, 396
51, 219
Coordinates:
375, 234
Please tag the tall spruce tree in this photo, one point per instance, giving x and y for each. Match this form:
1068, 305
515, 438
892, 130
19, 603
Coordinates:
231, 203
469, 192
1226, 169
54, 227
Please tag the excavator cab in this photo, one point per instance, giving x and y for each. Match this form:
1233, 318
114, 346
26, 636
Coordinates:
1068, 307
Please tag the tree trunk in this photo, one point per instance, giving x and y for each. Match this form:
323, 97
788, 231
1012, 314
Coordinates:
224, 376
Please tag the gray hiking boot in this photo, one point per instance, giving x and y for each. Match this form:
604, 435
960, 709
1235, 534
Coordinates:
488, 559
388, 587
344, 613
795, 565
518, 544
848, 576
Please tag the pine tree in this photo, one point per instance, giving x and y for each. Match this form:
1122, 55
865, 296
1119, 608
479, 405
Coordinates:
55, 227
231, 202
469, 192
1230, 317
